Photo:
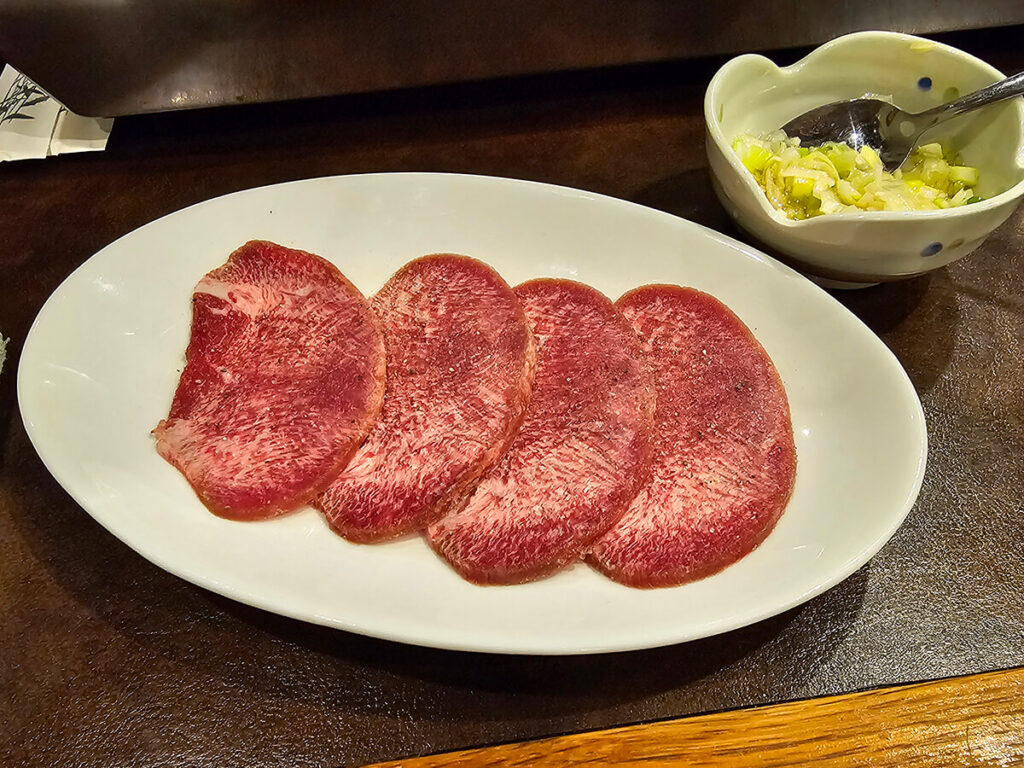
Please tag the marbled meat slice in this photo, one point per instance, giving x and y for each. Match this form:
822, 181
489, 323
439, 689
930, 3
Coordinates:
283, 378
460, 371
582, 452
724, 460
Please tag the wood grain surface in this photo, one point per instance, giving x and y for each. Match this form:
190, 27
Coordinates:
968, 721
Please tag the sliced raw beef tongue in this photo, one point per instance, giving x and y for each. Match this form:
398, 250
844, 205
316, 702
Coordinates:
724, 460
283, 378
460, 371
582, 452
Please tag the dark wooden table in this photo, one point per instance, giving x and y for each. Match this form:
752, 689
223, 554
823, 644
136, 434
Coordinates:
105, 660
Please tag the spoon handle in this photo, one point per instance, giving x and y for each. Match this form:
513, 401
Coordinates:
1004, 89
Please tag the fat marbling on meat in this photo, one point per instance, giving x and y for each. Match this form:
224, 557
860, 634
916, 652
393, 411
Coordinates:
460, 372
581, 454
283, 378
724, 461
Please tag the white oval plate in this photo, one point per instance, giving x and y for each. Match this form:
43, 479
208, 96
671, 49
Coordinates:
101, 363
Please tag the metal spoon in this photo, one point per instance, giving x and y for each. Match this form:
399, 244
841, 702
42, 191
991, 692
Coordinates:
885, 127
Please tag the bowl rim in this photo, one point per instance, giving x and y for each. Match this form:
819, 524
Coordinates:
715, 131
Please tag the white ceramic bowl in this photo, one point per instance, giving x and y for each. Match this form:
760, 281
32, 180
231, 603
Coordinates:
750, 94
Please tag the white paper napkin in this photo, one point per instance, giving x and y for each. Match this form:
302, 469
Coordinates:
33, 124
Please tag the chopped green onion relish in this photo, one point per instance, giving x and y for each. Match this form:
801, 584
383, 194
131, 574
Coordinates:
803, 182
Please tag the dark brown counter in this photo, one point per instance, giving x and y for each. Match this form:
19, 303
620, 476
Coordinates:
105, 660
110, 59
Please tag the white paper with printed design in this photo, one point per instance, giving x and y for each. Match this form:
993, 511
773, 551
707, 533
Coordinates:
33, 124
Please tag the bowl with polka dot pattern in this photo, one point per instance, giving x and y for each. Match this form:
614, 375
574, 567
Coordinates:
751, 94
